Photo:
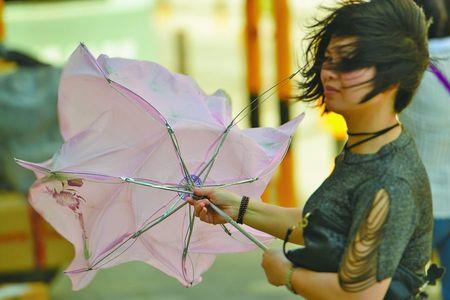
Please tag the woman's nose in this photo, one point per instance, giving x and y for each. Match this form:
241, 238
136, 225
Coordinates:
327, 74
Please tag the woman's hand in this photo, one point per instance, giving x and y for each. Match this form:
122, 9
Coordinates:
228, 202
276, 266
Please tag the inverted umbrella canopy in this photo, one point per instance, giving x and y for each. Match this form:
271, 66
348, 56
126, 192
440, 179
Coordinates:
138, 138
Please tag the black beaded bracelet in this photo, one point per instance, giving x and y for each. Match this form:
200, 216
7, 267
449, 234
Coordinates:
242, 209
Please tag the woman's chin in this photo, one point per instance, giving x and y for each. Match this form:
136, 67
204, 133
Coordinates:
331, 106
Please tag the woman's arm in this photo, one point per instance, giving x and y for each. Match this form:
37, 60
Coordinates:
272, 219
317, 286
275, 220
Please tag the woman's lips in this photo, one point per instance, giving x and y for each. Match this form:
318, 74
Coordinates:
329, 90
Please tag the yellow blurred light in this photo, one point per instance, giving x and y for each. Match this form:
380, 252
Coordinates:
335, 125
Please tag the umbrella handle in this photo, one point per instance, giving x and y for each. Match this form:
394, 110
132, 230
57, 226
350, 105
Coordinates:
238, 227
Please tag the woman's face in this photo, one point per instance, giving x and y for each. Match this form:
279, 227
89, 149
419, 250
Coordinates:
344, 90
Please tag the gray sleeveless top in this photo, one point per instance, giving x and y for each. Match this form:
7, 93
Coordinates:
376, 212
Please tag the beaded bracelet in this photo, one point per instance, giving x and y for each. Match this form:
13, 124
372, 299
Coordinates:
242, 209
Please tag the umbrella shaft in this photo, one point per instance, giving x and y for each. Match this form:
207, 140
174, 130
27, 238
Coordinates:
236, 225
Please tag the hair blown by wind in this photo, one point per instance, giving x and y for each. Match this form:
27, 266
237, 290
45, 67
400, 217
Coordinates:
390, 35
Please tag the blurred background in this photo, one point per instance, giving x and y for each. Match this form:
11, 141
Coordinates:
241, 46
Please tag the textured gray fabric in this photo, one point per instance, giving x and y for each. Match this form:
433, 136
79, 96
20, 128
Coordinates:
346, 197
28, 122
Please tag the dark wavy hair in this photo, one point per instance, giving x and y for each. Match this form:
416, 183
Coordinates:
390, 35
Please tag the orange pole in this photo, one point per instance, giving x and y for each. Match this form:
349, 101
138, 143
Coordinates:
252, 10
286, 179
38, 236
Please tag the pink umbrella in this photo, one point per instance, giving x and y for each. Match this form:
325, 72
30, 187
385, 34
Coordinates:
138, 138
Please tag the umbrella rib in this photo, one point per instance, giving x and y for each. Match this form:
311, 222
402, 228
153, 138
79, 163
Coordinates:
263, 99
177, 189
218, 210
110, 81
153, 223
187, 241
283, 81
222, 185
234, 122
92, 58
166, 123
162, 218
137, 234
149, 220
211, 162
115, 257
220, 139
161, 186
214, 157
228, 218
174, 139
134, 234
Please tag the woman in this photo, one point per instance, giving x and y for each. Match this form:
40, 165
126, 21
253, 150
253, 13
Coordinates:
428, 121
367, 228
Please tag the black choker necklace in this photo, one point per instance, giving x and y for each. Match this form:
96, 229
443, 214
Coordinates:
371, 137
